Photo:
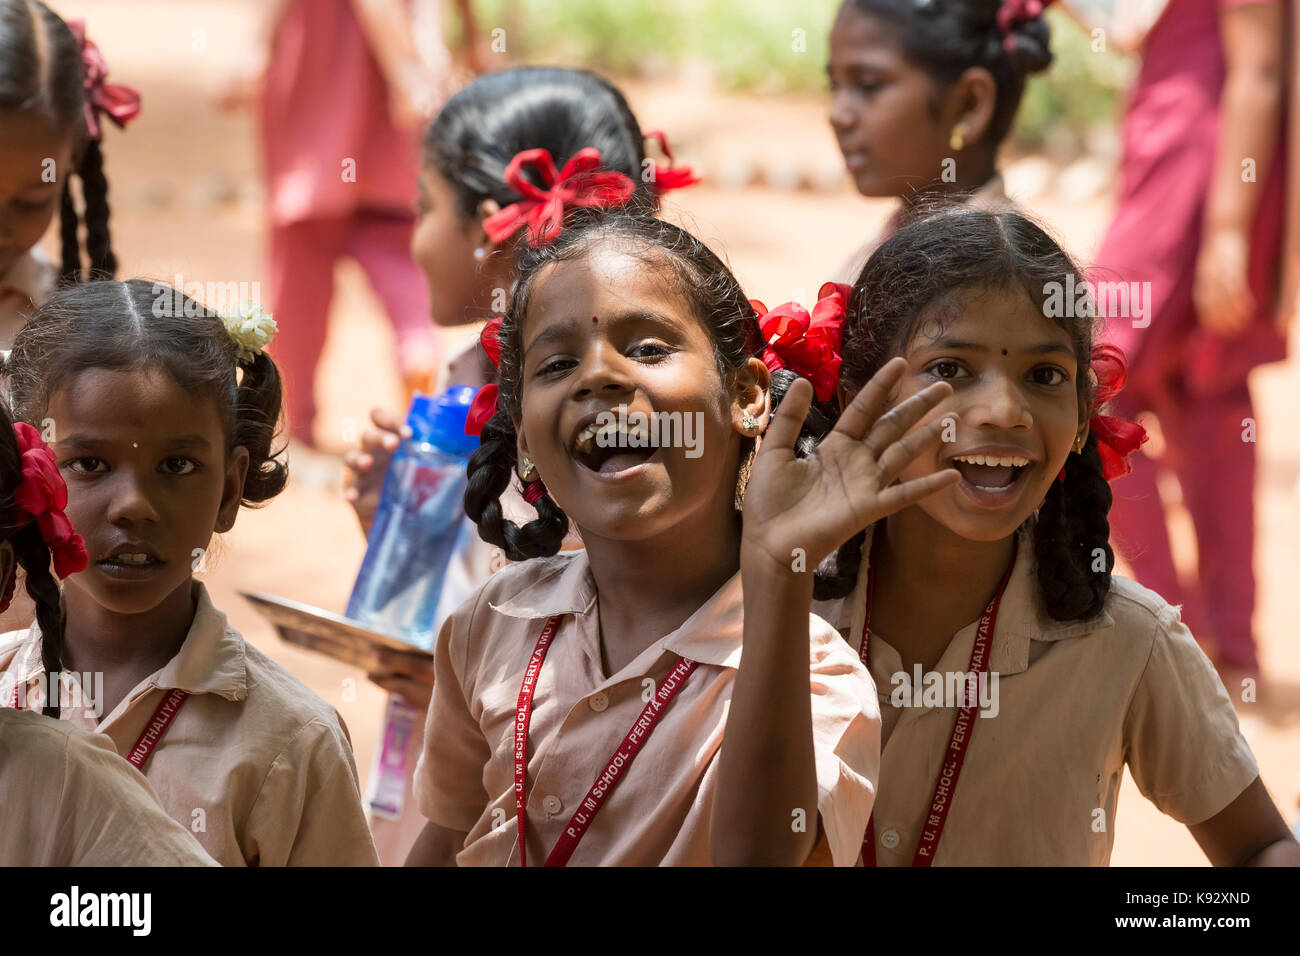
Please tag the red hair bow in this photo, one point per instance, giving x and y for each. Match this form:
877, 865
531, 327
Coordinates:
42, 494
580, 183
807, 343
1117, 439
670, 176
119, 103
484, 405
1018, 11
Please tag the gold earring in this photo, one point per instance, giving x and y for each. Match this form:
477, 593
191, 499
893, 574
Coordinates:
529, 472
1079, 443
957, 141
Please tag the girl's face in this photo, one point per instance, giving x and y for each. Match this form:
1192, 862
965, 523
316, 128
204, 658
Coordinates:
607, 331
881, 109
35, 161
149, 481
462, 288
1014, 377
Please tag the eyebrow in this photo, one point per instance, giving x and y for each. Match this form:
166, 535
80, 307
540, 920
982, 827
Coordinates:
959, 345
564, 327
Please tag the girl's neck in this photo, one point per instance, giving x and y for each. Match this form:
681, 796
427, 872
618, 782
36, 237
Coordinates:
648, 588
98, 639
930, 583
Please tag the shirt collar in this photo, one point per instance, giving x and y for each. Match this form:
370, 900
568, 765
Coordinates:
712, 635
1022, 617
212, 659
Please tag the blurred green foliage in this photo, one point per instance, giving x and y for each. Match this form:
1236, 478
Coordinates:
770, 46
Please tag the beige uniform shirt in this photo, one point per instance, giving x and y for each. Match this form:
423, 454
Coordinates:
659, 814
69, 800
1075, 701
257, 766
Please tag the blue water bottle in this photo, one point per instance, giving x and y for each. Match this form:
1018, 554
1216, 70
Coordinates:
420, 515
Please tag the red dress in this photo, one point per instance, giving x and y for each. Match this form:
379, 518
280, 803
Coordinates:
1195, 382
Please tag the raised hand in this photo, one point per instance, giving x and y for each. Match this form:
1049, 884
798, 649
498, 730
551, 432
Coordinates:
817, 503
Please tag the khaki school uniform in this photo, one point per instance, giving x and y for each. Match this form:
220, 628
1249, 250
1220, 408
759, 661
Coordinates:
1076, 701
660, 812
69, 800
257, 766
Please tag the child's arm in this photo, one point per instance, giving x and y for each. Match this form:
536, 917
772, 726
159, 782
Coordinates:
1250, 118
797, 511
436, 846
1248, 832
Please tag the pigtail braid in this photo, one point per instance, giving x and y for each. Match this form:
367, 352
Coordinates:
94, 194
70, 242
258, 401
837, 576
33, 556
490, 471
1072, 527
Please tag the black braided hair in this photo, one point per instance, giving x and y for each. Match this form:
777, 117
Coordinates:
716, 299
33, 558
914, 280
947, 37
94, 193
141, 324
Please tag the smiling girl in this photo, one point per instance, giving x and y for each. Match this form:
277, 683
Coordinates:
1095, 672
544, 671
923, 92
163, 419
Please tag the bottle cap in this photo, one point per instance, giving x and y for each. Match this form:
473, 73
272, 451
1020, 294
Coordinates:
440, 421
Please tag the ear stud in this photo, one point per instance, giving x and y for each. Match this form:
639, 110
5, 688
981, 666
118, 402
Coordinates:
748, 421
528, 471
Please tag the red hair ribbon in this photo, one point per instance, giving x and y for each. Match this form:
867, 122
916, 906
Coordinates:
1117, 439
1018, 11
484, 405
670, 176
807, 343
42, 495
119, 103
580, 183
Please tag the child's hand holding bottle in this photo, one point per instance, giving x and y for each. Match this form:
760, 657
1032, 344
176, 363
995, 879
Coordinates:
368, 463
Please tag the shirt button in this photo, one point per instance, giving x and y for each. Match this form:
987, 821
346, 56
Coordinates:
598, 702
889, 839
552, 804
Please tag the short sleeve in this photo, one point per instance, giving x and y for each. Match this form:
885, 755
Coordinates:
107, 815
1182, 741
308, 811
846, 741
449, 776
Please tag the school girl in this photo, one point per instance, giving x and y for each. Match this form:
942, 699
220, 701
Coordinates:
541, 674
54, 100
1075, 673
469, 261
68, 798
163, 416
923, 92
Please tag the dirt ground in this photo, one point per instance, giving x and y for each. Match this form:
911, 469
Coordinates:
186, 199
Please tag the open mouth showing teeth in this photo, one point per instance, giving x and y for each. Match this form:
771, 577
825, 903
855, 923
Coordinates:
990, 472
612, 448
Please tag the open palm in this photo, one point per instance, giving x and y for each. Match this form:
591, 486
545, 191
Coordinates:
817, 503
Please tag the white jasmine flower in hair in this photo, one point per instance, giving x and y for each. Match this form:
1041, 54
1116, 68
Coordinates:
250, 328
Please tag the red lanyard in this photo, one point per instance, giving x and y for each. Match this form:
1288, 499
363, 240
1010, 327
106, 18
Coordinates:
614, 771
157, 726
945, 788
153, 731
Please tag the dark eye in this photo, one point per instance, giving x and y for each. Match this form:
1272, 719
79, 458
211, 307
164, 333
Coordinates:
555, 366
179, 465
86, 466
1049, 375
26, 205
945, 369
650, 350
